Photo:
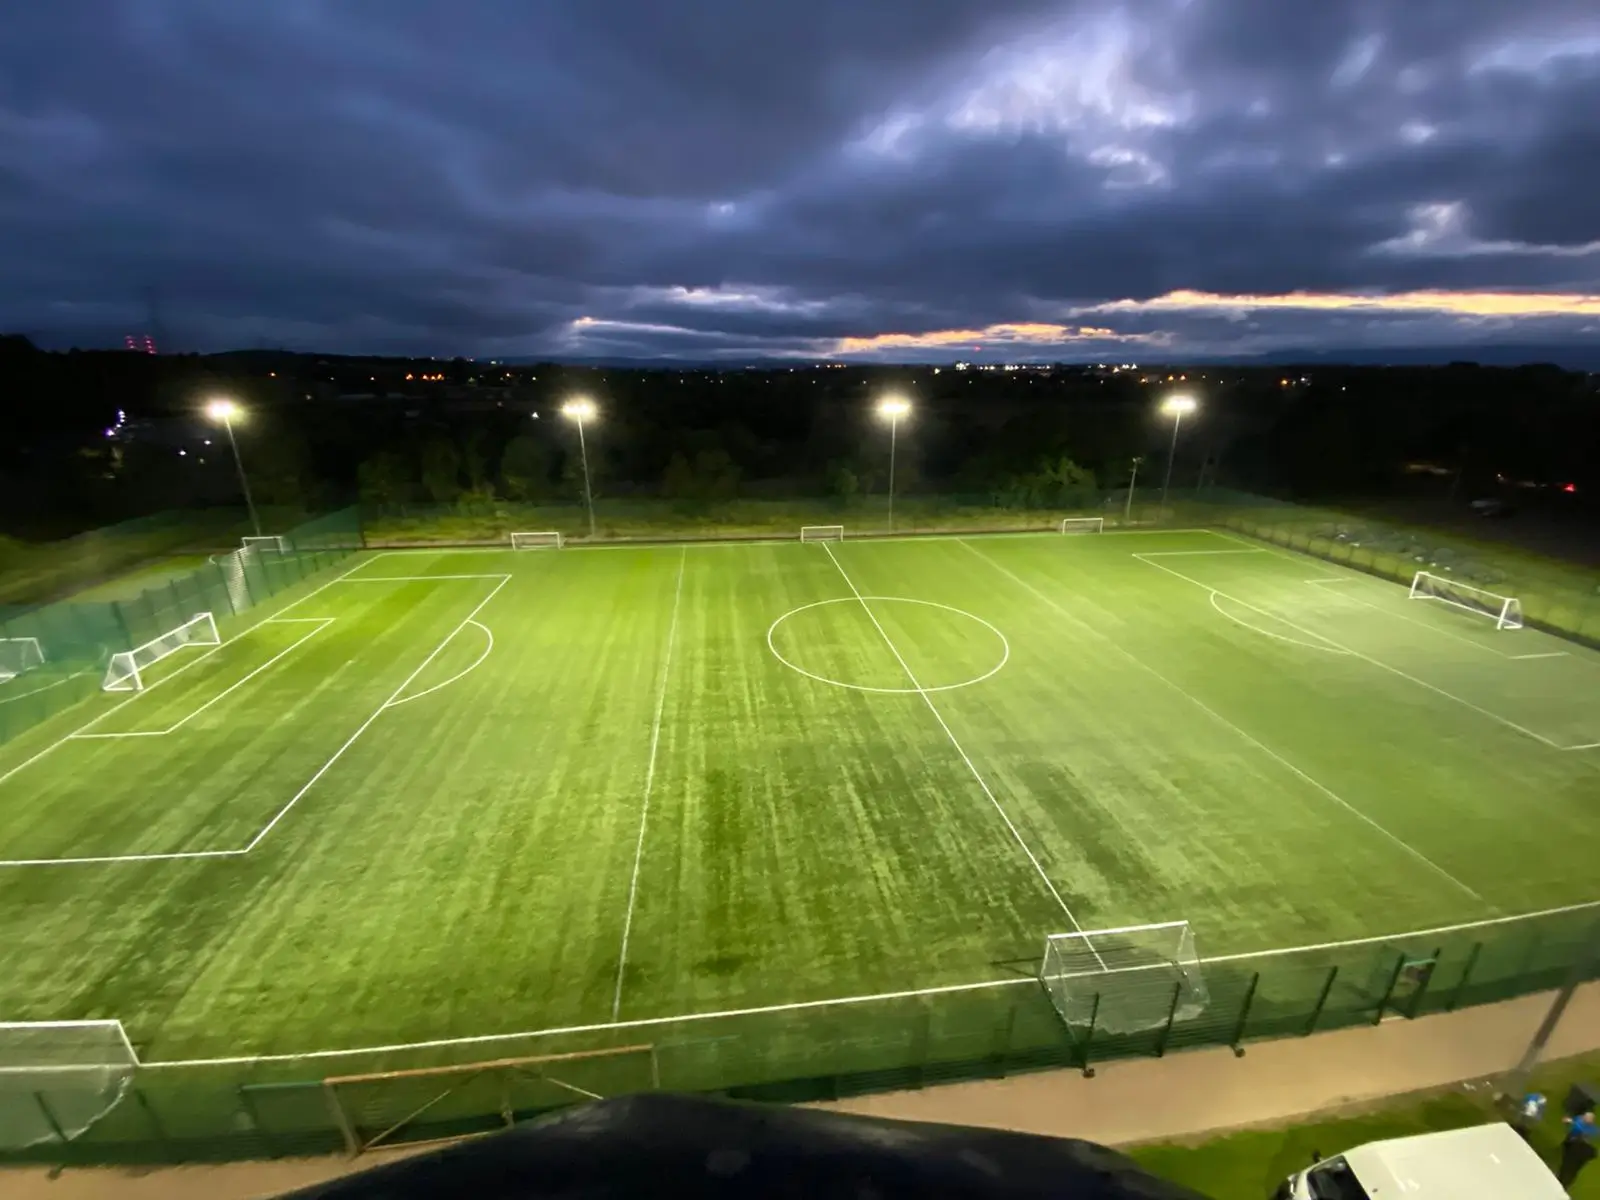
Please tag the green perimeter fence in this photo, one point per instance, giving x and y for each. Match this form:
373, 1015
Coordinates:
70, 643
346, 1101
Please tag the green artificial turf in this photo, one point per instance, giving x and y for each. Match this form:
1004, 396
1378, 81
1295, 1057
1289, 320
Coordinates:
455, 794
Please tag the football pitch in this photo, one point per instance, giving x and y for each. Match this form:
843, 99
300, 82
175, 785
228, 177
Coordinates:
452, 794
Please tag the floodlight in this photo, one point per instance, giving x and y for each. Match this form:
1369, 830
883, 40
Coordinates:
894, 407
1178, 406
580, 409
223, 410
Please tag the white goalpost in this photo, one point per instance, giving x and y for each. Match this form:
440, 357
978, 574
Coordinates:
57, 1078
540, 539
1506, 610
1083, 524
273, 542
19, 654
125, 672
1124, 980
822, 533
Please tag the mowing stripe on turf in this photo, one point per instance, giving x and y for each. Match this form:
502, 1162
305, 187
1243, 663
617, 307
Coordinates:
938, 716
1222, 720
378, 712
1367, 658
649, 784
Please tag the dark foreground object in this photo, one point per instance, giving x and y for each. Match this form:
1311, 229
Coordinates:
681, 1146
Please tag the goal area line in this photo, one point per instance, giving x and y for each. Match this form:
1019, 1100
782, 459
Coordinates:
490, 1039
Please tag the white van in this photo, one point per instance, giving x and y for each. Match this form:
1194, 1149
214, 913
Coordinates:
1483, 1162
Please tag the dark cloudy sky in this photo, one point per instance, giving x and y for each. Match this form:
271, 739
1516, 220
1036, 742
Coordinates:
1126, 179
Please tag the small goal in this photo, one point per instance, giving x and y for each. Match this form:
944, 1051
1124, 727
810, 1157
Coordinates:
19, 654
538, 540
1083, 524
1124, 980
125, 671
822, 533
270, 544
57, 1078
1506, 611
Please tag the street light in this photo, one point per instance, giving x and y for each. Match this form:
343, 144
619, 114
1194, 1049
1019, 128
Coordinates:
224, 411
583, 409
1133, 480
891, 409
1176, 407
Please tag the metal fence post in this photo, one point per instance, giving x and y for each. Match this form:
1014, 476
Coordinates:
1394, 979
1237, 1041
1316, 1013
1172, 1015
1466, 974
1094, 1015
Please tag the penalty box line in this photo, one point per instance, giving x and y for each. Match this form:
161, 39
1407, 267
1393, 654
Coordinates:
295, 799
939, 717
1366, 658
1223, 721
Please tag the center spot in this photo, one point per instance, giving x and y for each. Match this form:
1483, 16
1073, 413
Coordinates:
880, 645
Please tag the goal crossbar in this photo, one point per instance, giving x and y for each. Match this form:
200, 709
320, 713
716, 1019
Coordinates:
1083, 524
1506, 611
124, 673
274, 542
822, 533
537, 539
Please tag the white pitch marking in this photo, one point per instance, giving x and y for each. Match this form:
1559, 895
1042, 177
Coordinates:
1005, 652
649, 784
939, 717
1367, 658
1326, 649
46, 687
365, 725
1527, 657
322, 623
1222, 720
117, 858
476, 663
416, 578
1195, 553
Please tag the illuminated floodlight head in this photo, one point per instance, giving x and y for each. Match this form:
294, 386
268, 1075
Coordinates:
1178, 406
580, 408
223, 410
892, 408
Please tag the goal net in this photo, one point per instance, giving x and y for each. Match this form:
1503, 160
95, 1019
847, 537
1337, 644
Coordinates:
1506, 610
1083, 525
1124, 980
57, 1078
19, 654
822, 533
534, 541
125, 672
428, 1103
273, 544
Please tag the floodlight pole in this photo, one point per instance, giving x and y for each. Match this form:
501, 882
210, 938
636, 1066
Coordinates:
1172, 453
1127, 510
588, 494
244, 483
894, 426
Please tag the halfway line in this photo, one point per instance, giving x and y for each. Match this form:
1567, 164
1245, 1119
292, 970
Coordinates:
649, 785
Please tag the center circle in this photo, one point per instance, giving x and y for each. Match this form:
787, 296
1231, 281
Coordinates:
869, 621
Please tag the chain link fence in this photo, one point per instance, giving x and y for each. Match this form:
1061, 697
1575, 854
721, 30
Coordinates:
75, 639
286, 1105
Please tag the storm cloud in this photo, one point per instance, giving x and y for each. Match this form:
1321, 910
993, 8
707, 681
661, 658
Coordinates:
802, 178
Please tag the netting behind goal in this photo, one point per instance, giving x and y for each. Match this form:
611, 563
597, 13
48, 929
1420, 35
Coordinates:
57, 1078
19, 654
1505, 610
1124, 980
822, 533
125, 672
271, 544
